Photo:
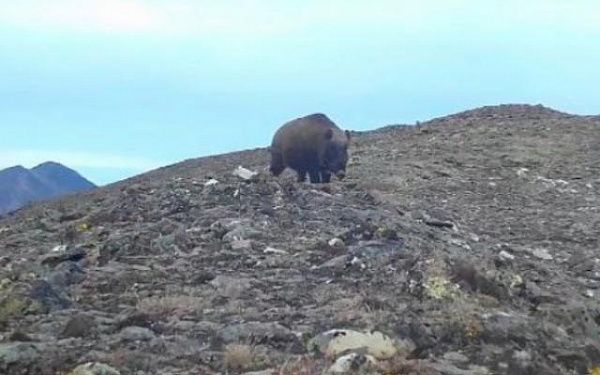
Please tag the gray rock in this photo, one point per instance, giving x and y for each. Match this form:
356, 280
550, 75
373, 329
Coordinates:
241, 245
23, 354
80, 325
272, 334
241, 232
230, 286
337, 263
136, 334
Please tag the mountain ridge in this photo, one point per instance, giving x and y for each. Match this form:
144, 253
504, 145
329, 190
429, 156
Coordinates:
20, 186
521, 110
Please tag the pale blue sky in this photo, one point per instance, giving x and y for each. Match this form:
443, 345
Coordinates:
114, 88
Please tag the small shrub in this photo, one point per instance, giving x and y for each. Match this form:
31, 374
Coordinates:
10, 308
238, 357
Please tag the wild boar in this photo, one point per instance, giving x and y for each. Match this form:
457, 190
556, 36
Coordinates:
312, 144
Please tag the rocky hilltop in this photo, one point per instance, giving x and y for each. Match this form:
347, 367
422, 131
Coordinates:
464, 245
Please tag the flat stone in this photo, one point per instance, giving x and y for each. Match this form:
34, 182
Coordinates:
541, 254
136, 334
231, 287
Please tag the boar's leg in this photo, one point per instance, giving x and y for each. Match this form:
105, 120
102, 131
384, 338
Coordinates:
276, 169
315, 176
325, 176
301, 176
277, 164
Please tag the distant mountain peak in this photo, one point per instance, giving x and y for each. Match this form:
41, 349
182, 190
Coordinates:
20, 186
15, 168
49, 164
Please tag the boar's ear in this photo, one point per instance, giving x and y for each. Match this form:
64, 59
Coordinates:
328, 134
347, 134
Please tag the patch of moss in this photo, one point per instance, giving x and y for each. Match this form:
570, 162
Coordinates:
5, 284
386, 233
438, 288
11, 307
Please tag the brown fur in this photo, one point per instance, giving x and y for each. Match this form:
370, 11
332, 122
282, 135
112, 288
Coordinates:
312, 144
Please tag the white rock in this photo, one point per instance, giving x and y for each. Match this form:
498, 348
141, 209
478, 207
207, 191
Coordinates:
506, 255
456, 357
334, 342
245, 174
211, 182
134, 333
59, 248
589, 293
542, 254
241, 245
336, 243
272, 250
522, 171
345, 364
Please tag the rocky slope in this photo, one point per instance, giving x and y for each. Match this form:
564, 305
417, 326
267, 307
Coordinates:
465, 245
20, 186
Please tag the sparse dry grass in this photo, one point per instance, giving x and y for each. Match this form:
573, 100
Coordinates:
304, 365
240, 357
131, 359
170, 305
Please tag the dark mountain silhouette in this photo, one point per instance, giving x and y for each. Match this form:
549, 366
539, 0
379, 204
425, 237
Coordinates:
20, 186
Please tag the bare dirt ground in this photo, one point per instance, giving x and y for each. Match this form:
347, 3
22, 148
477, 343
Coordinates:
470, 242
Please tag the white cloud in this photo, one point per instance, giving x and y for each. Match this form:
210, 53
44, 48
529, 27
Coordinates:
73, 15
31, 158
176, 16
250, 18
